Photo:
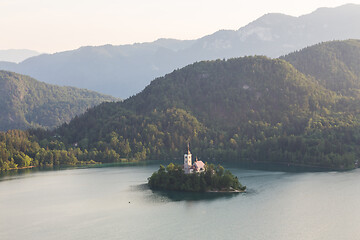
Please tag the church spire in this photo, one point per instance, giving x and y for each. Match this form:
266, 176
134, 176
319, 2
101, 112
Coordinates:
188, 161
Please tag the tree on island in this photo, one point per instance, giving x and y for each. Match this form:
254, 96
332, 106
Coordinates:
213, 178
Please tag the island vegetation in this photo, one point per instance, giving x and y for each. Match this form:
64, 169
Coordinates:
213, 179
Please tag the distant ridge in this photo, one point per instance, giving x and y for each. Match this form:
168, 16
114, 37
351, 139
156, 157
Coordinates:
16, 55
125, 70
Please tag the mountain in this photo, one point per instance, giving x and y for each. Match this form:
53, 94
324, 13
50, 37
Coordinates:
125, 70
228, 93
26, 102
335, 64
242, 109
250, 109
17, 55
234, 96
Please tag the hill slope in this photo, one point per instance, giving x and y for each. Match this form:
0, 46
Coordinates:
125, 70
336, 64
228, 93
245, 109
26, 102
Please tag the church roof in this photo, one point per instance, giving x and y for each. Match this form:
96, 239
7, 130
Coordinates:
199, 164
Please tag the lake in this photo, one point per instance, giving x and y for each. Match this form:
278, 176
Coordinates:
114, 203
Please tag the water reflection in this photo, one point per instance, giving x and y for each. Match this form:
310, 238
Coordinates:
175, 196
116, 203
188, 196
29, 172
17, 174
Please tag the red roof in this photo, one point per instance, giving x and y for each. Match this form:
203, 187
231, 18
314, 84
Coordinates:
199, 165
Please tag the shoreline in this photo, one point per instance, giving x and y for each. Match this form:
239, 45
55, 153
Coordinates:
19, 168
222, 191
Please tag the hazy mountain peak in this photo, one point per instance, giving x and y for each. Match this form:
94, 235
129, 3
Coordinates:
222, 39
350, 7
333, 14
261, 33
273, 18
17, 55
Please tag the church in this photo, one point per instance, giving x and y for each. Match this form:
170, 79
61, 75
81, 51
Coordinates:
197, 167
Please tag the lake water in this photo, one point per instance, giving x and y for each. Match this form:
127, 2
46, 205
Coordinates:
114, 203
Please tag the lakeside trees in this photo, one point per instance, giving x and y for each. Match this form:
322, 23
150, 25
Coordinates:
19, 149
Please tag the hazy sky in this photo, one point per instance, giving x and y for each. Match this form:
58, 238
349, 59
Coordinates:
58, 25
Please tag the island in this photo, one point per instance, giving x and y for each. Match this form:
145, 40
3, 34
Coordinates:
197, 177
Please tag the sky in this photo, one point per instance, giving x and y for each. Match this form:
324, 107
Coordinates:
50, 26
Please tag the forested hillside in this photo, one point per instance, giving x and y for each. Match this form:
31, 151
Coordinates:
227, 94
26, 102
245, 109
335, 65
251, 109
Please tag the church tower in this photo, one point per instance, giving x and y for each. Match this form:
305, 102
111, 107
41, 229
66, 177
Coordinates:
187, 161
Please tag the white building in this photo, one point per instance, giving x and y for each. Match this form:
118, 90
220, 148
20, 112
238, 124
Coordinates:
187, 161
198, 166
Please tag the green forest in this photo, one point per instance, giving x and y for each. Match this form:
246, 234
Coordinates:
18, 149
212, 179
26, 102
250, 109
335, 65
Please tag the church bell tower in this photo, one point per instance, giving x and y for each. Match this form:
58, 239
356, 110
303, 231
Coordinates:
187, 161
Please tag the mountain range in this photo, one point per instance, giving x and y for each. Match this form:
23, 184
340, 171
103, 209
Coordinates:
125, 70
26, 102
241, 109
